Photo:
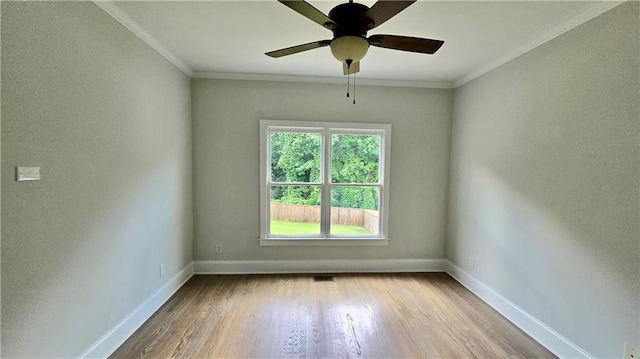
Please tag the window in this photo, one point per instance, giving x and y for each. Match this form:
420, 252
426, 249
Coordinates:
323, 183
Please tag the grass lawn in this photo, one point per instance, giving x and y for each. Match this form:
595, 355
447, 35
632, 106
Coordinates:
281, 227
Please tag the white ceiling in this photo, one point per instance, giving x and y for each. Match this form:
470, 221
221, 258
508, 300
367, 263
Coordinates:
215, 38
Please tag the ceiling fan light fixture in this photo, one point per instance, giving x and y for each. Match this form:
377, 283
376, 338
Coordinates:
349, 48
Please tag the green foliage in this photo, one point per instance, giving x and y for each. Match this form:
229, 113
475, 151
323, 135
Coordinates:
304, 195
296, 157
355, 159
355, 197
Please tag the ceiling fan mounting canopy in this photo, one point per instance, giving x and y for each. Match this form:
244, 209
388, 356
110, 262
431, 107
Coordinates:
350, 23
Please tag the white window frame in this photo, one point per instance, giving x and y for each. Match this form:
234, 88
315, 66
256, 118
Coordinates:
326, 129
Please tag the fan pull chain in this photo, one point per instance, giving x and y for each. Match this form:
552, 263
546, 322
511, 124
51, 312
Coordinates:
348, 65
348, 62
354, 88
347, 84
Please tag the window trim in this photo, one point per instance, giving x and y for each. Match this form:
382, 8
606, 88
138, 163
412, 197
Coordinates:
327, 129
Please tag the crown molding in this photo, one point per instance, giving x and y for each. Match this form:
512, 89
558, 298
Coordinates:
120, 16
318, 79
592, 12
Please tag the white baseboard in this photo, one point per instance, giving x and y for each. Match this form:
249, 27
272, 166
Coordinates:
106, 345
539, 331
319, 266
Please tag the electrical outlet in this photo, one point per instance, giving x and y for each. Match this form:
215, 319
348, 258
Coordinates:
218, 248
472, 262
161, 270
630, 352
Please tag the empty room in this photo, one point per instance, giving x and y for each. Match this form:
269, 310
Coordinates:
277, 179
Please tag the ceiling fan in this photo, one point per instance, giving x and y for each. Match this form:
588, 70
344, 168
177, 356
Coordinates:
349, 23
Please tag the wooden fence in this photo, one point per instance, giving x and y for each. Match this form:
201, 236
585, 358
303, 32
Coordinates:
357, 217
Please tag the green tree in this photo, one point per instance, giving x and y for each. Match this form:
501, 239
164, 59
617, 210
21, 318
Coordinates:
355, 159
296, 157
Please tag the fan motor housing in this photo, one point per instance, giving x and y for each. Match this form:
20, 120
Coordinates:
349, 19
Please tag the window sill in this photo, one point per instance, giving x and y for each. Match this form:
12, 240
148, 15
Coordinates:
305, 242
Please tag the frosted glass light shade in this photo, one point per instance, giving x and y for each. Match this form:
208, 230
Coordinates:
349, 48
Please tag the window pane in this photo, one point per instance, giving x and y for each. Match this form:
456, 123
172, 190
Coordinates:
355, 158
295, 157
295, 210
354, 210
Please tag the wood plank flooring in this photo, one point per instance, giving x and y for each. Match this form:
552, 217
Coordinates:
426, 315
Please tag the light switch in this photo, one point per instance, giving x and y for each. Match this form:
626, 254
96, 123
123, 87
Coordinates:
27, 173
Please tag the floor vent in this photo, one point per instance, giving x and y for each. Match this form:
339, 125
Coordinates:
323, 278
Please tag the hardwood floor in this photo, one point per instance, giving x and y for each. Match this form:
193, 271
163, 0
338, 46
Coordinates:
426, 315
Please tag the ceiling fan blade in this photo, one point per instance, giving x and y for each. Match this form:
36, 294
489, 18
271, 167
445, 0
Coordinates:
305, 9
384, 10
406, 43
300, 48
355, 67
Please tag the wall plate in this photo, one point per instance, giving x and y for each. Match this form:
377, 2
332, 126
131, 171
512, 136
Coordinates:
27, 174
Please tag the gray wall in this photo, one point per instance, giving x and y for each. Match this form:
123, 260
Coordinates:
226, 167
108, 121
544, 176
544, 182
